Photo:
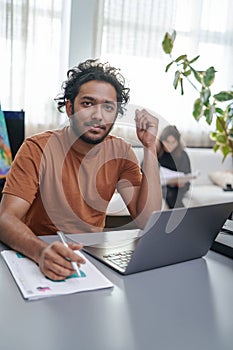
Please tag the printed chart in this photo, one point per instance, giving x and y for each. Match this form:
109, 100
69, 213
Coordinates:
34, 285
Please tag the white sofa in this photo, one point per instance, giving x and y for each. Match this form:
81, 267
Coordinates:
215, 174
202, 190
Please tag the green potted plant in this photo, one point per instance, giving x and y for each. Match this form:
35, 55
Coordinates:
215, 108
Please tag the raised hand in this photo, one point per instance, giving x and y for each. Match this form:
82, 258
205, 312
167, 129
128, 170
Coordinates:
147, 127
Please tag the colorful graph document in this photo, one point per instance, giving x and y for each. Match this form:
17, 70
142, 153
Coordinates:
34, 285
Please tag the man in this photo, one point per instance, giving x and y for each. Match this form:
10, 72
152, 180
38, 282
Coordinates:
64, 179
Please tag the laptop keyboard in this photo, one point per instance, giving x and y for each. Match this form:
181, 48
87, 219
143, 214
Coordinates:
120, 259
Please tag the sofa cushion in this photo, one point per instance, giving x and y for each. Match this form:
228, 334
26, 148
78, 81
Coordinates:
206, 194
206, 161
222, 178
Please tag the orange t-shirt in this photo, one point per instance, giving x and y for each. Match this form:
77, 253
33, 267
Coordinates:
69, 191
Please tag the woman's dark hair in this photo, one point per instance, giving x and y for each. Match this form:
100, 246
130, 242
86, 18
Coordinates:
170, 130
93, 70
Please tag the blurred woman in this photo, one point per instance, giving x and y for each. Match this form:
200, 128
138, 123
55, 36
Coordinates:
171, 155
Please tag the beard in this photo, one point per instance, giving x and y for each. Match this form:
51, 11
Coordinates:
91, 141
84, 137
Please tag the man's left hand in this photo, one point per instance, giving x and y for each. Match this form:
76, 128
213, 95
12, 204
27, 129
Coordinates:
147, 127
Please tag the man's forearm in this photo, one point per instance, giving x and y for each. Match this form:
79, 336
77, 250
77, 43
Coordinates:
150, 194
15, 234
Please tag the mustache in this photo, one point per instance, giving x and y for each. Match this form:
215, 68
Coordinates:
95, 123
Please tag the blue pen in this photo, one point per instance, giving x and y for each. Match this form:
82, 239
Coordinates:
63, 239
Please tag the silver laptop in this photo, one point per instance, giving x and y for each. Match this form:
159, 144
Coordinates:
170, 237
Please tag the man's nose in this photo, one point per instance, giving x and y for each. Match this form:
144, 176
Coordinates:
97, 112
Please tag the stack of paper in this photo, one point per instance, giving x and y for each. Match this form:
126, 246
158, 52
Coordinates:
34, 285
170, 177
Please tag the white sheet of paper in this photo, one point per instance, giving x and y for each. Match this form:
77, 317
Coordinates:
34, 285
168, 176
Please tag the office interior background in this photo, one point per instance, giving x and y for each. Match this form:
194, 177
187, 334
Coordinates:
41, 39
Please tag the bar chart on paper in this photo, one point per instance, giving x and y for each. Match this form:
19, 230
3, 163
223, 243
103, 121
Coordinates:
34, 285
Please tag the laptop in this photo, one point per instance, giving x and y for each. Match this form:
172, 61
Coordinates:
170, 237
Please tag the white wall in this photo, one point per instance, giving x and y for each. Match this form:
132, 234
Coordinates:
82, 30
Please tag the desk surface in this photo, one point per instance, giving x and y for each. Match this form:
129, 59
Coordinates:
186, 306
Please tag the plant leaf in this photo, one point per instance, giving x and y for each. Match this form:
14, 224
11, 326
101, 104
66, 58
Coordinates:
173, 35
208, 113
182, 57
219, 111
224, 96
213, 135
194, 59
167, 43
198, 109
225, 150
176, 79
230, 134
220, 124
187, 73
197, 75
220, 138
230, 112
181, 87
168, 66
209, 76
216, 147
229, 121
205, 95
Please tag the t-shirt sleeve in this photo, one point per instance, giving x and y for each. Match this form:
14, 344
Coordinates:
23, 177
130, 174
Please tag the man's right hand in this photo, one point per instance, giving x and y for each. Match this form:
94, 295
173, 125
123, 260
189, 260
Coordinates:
55, 260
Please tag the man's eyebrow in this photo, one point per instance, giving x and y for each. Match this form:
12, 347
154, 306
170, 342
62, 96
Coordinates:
88, 98
93, 99
110, 102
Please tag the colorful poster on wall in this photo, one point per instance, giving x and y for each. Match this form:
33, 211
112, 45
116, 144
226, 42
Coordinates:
5, 151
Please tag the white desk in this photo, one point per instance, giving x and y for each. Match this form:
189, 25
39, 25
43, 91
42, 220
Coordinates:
187, 306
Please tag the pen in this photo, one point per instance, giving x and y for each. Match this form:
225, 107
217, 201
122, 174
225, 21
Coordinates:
63, 240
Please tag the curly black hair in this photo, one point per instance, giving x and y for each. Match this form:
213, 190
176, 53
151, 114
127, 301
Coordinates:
89, 70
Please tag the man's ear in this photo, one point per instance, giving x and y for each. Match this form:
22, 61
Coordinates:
69, 109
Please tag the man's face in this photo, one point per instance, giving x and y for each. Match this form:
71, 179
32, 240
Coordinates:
94, 111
